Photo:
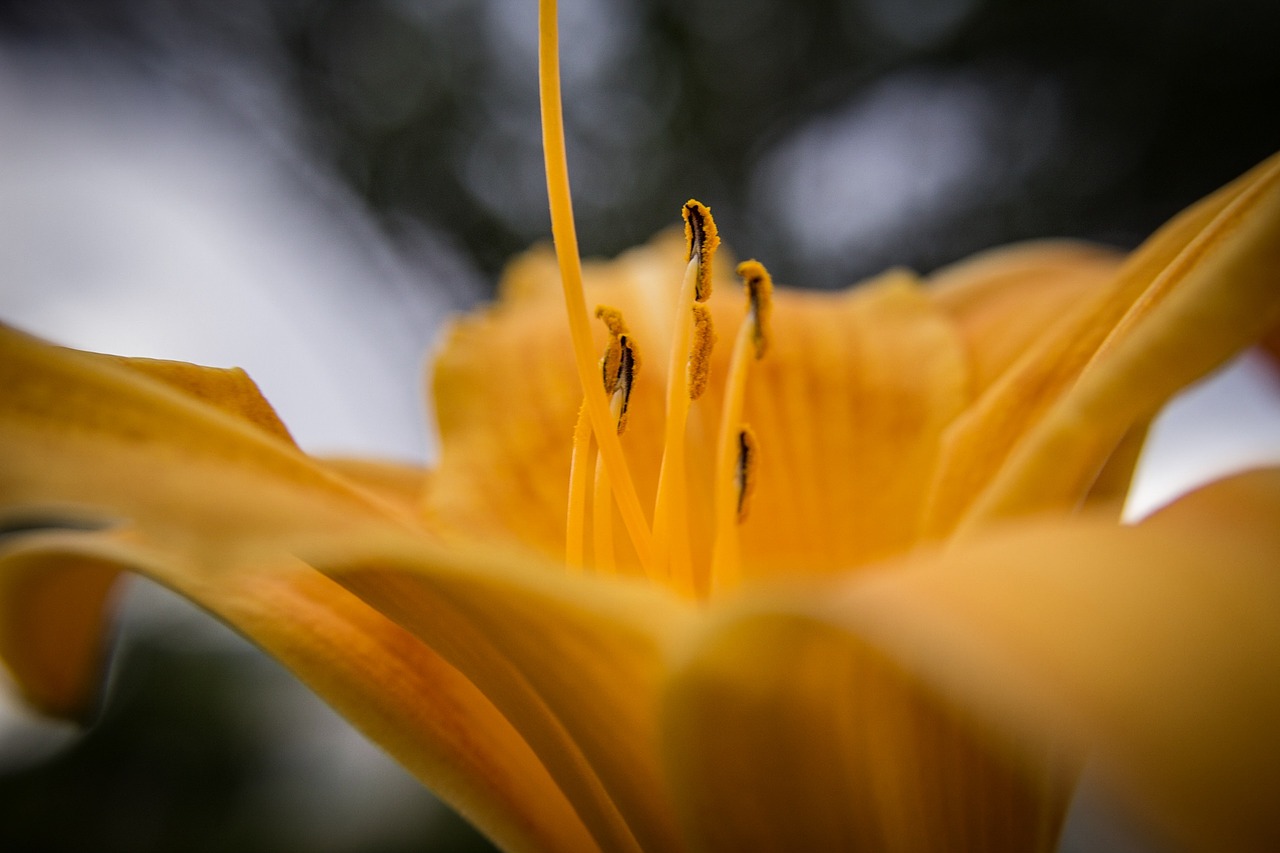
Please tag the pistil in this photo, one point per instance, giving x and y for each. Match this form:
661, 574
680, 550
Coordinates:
566, 242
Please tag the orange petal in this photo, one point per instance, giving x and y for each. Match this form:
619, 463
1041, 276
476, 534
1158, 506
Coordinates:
1157, 647
1004, 299
575, 662
219, 499
396, 690
229, 389
785, 732
400, 482
222, 505
83, 435
848, 408
1198, 291
54, 630
850, 402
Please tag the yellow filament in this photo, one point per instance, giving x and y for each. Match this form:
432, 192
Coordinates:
602, 523
575, 526
602, 508
725, 570
671, 476
566, 243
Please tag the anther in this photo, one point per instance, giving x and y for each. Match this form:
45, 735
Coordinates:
745, 474
620, 361
759, 286
628, 363
701, 241
704, 339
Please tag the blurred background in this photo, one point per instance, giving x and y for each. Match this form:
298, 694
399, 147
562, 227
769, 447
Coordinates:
307, 188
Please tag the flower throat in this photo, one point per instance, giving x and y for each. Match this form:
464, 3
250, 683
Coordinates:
663, 548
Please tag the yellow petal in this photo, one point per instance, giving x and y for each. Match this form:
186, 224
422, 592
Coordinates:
573, 665
1110, 490
1004, 299
54, 631
848, 408
225, 505
1198, 291
574, 662
229, 389
399, 482
1157, 646
785, 732
848, 405
84, 436
396, 690
506, 396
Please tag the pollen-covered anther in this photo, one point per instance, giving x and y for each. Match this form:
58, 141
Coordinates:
628, 364
609, 362
619, 363
704, 340
759, 285
701, 241
746, 472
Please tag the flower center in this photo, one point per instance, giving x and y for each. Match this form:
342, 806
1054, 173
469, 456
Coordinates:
663, 550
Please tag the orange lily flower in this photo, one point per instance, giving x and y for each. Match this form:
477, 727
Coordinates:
893, 613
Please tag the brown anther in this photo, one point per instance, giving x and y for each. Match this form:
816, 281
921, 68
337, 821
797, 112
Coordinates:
745, 476
701, 240
609, 362
620, 361
759, 286
628, 364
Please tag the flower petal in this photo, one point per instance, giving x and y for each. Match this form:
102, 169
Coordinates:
396, 690
223, 506
82, 435
575, 662
784, 731
1199, 290
229, 389
54, 630
848, 408
1157, 646
1004, 299
570, 664
400, 482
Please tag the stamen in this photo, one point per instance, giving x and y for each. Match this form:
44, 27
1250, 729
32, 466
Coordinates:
602, 523
575, 525
702, 240
735, 445
704, 338
686, 363
602, 507
745, 476
620, 362
628, 364
759, 302
566, 243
